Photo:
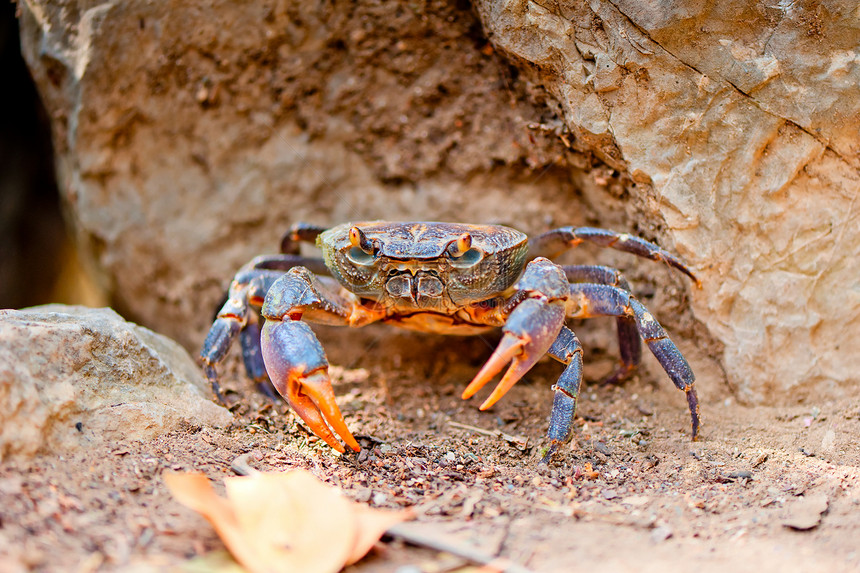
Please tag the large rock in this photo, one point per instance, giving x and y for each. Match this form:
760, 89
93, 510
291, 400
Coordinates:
740, 124
74, 376
190, 134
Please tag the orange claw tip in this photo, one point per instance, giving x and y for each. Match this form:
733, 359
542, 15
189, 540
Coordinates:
336, 446
317, 387
518, 368
508, 348
350, 441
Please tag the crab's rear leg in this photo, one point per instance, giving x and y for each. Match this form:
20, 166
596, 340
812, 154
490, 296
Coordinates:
589, 300
300, 233
294, 358
629, 342
236, 316
553, 243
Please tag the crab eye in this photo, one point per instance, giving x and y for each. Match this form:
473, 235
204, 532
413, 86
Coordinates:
468, 259
359, 257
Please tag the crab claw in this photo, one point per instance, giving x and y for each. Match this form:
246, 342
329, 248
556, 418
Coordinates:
298, 368
529, 333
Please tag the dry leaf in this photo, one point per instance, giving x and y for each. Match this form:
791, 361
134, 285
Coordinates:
372, 523
292, 519
195, 491
285, 521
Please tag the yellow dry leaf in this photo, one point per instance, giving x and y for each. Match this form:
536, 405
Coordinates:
372, 523
293, 520
285, 522
195, 491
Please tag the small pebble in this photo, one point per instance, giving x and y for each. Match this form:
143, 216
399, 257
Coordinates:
660, 534
602, 448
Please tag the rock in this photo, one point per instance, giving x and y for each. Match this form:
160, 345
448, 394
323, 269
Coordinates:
805, 513
740, 126
182, 155
189, 135
661, 533
75, 377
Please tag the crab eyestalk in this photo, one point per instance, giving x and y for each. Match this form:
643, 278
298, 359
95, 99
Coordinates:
458, 247
357, 238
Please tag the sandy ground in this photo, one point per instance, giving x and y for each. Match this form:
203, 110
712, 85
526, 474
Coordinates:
765, 489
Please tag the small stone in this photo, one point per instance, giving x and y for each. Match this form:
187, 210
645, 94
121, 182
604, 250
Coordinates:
660, 534
805, 514
636, 500
602, 448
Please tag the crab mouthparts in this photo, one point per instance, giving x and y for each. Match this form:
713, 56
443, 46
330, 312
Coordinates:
419, 287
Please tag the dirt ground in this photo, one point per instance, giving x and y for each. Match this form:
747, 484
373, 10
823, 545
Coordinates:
765, 489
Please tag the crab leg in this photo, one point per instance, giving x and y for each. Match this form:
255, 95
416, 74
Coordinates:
235, 317
295, 359
567, 350
555, 242
300, 233
629, 342
529, 331
588, 300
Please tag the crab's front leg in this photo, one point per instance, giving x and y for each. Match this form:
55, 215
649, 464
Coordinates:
237, 317
531, 328
295, 359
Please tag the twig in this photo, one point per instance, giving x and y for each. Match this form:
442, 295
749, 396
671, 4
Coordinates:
520, 442
406, 533
475, 429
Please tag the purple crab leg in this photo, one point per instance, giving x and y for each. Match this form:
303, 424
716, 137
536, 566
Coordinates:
252, 357
236, 315
567, 350
300, 233
629, 342
588, 300
285, 262
553, 243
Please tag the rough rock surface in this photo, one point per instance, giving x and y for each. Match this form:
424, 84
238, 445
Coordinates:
189, 134
742, 123
74, 376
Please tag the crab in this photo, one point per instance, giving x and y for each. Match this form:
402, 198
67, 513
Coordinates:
445, 278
